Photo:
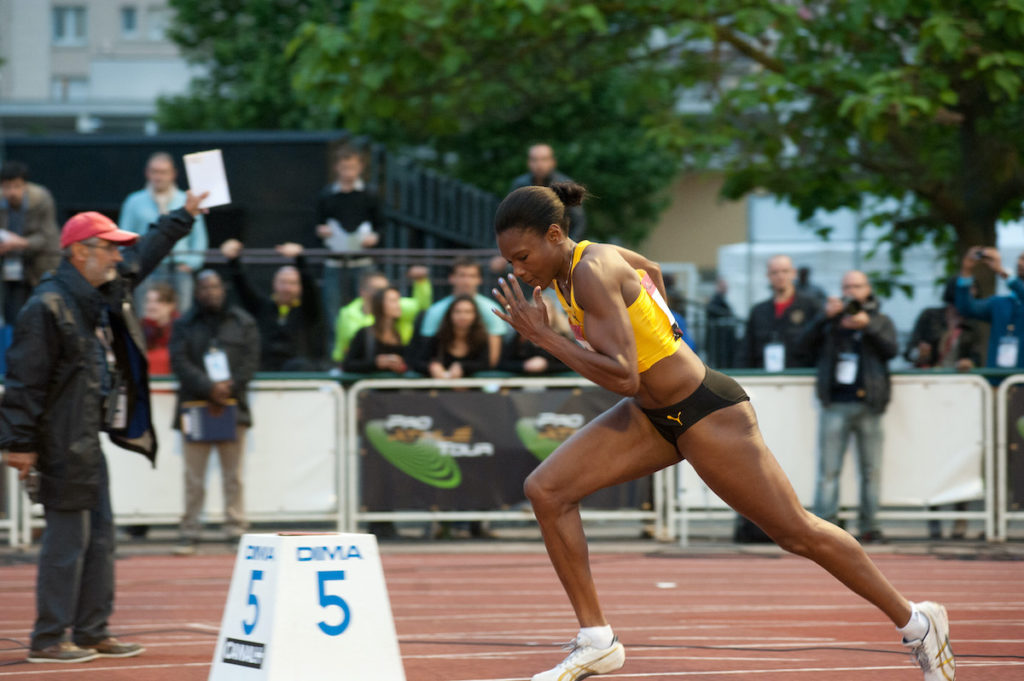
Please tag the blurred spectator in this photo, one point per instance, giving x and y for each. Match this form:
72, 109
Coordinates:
142, 208
29, 240
807, 288
542, 173
775, 325
677, 306
348, 219
942, 339
159, 315
720, 341
460, 346
214, 333
853, 342
290, 319
520, 356
379, 347
1004, 313
358, 313
465, 278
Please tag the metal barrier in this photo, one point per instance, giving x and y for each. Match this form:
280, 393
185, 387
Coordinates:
938, 423
960, 460
294, 470
12, 502
662, 497
1005, 511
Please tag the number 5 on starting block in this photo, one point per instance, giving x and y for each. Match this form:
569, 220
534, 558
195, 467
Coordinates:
307, 606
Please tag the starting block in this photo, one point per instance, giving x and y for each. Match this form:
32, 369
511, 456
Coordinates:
307, 606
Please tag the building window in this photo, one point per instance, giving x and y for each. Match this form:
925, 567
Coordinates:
157, 23
129, 22
69, 89
69, 27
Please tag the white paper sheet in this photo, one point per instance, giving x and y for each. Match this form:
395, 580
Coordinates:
341, 241
205, 170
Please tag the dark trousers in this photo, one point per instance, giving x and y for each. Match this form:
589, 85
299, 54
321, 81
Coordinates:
14, 294
75, 587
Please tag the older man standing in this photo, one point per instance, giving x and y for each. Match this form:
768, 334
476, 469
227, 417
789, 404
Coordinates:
142, 208
853, 342
77, 366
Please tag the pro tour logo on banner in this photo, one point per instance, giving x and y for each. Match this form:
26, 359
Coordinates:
542, 434
412, 445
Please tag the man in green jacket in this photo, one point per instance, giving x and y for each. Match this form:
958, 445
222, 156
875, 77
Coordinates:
356, 314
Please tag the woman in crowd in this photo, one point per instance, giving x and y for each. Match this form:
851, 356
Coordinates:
379, 347
161, 309
460, 347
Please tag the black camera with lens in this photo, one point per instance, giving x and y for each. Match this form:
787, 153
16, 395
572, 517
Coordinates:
852, 306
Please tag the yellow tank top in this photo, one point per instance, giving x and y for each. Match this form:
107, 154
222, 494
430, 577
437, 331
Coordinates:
654, 328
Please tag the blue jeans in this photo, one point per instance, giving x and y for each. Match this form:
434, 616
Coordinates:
75, 584
838, 421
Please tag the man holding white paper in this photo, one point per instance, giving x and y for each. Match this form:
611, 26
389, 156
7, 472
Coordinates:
348, 220
160, 196
215, 350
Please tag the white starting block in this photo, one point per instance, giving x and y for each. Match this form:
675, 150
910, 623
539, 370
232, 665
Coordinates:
307, 606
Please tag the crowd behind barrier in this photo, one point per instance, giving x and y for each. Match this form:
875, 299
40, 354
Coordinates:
330, 423
357, 308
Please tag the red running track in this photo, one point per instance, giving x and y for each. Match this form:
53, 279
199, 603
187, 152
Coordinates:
499, 617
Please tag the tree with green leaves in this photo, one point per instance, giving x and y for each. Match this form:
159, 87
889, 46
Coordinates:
240, 44
909, 111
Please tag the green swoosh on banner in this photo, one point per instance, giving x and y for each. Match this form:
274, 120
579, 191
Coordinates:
1020, 426
421, 460
540, 446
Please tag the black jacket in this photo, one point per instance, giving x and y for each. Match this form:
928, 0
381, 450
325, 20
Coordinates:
878, 346
516, 350
52, 403
577, 218
236, 333
295, 342
763, 328
930, 328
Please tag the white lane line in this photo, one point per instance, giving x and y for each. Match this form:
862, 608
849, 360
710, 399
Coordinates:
795, 670
633, 652
87, 668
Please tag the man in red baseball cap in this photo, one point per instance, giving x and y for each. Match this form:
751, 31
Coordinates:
91, 242
76, 367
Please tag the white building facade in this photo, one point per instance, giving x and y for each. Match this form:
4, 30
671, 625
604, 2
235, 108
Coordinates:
86, 65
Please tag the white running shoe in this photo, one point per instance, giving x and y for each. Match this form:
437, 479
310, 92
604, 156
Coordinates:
585, 660
933, 652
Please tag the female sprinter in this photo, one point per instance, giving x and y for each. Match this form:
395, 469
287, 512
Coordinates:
675, 407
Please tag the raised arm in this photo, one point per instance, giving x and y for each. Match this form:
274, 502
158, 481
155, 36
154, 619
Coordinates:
597, 284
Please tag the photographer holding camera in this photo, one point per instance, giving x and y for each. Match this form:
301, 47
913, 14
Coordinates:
1004, 313
853, 343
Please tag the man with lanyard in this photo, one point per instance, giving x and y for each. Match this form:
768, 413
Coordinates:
774, 326
77, 366
853, 342
1004, 313
29, 240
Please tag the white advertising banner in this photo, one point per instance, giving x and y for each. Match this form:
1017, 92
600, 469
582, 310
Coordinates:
934, 435
291, 457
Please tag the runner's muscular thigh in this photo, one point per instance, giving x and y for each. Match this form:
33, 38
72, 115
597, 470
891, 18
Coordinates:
618, 446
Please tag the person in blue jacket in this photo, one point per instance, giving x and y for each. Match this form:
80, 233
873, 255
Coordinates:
159, 197
1004, 313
